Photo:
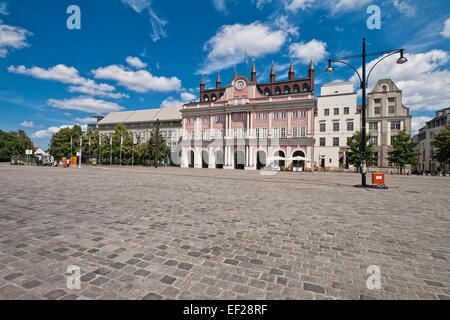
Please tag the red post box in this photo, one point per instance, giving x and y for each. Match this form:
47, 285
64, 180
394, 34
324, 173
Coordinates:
378, 178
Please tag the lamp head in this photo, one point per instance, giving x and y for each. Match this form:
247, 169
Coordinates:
330, 69
402, 59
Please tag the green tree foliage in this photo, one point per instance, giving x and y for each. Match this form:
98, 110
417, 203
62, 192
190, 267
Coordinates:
441, 142
14, 143
354, 154
404, 152
163, 148
60, 142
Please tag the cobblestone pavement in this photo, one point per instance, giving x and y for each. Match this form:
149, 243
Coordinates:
169, 233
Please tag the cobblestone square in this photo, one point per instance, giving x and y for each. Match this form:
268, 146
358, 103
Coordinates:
171, 233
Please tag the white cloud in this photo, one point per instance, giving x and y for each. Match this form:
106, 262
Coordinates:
136, 62
417, 123
4, 8
47, 133
313, 49
27, 124
12, 37
186, 96
446, 31
261, 3
158, 23
139, 81
171, 102
69, 75
220, 5
85, 104
424, 79
405, 8
295, 5
227, 47
87, 120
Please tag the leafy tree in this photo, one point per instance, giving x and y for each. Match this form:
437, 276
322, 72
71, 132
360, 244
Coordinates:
60, 142
441, 142
13, 144
354, 154
163, 148
404, 152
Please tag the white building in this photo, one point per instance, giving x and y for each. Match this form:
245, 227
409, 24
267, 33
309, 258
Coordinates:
337, 119
141, 122
425, 138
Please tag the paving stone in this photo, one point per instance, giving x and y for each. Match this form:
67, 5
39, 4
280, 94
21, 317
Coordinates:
142, 272
55, 294
31, 284
99, 281
231, 261
185, 266
102, 271
168, 279
152, 296
313, 288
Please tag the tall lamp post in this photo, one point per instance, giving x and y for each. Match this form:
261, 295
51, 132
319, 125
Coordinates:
363, 80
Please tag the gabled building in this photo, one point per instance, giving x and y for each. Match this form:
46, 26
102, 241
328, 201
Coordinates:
246, 124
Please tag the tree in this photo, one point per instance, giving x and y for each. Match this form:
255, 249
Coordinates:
441, 142
60, 142
163, 148
354, 154
404, 152
13, 144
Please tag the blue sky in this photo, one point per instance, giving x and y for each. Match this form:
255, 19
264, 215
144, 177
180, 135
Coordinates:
137, 54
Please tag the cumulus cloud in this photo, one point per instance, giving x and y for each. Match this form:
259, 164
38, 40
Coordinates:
332, 6
227, 47
47, 133
136, 62
69, 75
85, 104
12, 37
424, 79
139, 81
446, 31
313, 49
220, 5
405, 8
172, 102
186, 96
158, 23
27, 124
417, 123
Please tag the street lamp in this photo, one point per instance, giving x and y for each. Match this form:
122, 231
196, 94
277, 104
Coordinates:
363, 80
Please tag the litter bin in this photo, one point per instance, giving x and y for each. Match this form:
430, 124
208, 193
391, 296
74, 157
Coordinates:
378, 178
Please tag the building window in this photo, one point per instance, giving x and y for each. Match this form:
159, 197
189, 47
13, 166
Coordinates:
283, 115
235, 117
243, 116
222, 118
373, 140
264, 132
222, 133
294, 132
322, 142
275, 132
294, 114
391, 109
392, 140
303, 131
303, 113
395, 125
336, 111
235, 133
336, 142
275, 115
377, 100
335, 126
346, 110
326, 112
391, 99
373, 125
323, 127
283, 132
350, 126
257, 116
377, 110
257, 132
265, 115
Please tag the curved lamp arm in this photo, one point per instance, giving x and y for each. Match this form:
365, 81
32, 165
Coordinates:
360, 80
367, 81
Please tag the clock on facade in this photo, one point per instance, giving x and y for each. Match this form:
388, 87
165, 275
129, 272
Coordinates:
240, 84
